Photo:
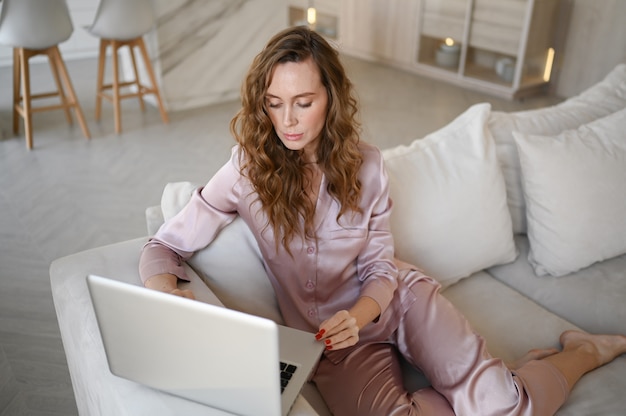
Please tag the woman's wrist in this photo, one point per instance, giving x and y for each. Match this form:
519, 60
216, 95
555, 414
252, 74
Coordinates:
365, 310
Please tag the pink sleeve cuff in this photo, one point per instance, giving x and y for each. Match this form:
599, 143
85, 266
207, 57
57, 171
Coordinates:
159, 259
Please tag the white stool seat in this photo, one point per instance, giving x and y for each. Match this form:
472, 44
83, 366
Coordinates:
122, 19
34, 24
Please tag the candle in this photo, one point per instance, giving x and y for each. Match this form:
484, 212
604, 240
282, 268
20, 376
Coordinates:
448, 53
449, 46
311, 16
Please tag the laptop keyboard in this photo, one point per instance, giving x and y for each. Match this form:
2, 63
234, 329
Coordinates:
286, 373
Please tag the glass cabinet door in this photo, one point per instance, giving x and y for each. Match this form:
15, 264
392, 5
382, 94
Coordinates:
510, 42
442, 33
494, 40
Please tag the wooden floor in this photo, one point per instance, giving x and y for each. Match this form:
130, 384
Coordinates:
70, 194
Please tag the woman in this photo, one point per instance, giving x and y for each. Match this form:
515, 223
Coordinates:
317, 202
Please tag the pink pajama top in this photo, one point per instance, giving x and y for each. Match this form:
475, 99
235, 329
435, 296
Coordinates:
352, 257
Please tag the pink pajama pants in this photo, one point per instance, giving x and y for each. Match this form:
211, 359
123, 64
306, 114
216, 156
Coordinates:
466, 380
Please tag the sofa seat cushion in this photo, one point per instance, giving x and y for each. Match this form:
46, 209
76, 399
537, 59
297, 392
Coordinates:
592, 298
512, 324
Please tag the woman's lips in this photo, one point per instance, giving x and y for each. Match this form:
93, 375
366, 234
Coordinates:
293, 137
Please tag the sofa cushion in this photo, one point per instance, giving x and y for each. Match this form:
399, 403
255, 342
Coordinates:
231, 265
504, 317
598, 101
450, 215
592, 298
512, 324
575, 191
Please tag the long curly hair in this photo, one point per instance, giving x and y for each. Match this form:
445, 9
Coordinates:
278, 174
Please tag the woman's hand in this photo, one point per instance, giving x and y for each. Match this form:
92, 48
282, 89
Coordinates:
342, 329
183, 293
339, 331
167, 283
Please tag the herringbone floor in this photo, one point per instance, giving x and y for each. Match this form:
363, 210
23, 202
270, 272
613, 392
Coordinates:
71, 194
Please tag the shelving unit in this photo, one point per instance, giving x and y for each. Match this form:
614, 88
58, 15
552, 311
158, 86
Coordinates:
506, 47
501, 47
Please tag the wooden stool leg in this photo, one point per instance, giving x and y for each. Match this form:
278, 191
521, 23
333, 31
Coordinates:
116, 89
54, 67
140, 91
155, 86
16, 90
27, 110
102, 57
70, 89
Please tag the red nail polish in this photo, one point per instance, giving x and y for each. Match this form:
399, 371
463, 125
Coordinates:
329, 347
327, 342
319, 335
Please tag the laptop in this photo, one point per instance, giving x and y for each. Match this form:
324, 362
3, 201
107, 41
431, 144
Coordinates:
222, 358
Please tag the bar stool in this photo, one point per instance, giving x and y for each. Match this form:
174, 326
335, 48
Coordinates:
31, 28
118, 24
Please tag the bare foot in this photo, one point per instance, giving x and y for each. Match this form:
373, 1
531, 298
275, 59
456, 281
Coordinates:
534, 354
604, 347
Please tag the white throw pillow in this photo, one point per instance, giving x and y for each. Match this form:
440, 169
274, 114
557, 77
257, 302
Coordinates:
175, 196
450, 216
575, 191
598, 101
231, 265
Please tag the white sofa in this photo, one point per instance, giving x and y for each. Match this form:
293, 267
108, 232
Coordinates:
527, 235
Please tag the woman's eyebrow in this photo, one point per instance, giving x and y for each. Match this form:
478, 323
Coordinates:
304, 94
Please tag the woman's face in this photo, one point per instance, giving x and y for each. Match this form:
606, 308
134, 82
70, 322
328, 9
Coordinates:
296, 102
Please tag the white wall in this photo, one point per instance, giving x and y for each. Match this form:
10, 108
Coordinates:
595, 44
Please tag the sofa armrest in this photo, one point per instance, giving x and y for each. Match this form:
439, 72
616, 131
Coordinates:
96, 389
